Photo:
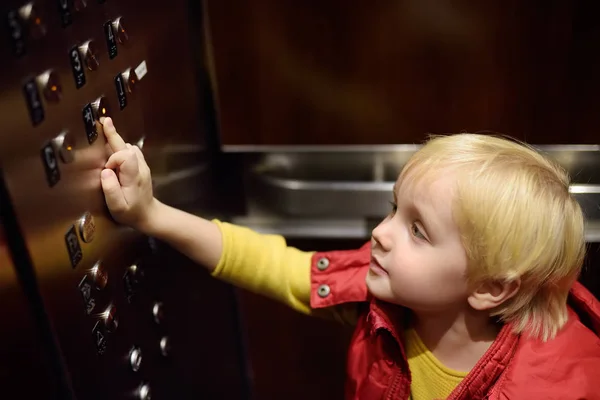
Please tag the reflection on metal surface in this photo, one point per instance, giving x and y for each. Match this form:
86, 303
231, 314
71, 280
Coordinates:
347, 182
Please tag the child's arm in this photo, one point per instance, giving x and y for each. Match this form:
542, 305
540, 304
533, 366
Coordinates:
260, 263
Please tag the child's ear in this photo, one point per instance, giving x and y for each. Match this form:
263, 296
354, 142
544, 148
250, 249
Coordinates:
491, 294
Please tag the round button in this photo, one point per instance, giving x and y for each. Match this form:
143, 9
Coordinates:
165, 346
120, 32
158, 312
135, 358
323, 290
89, 53
64, 145
322, 264
50, 85
110, 319
130, 80
144, 392
100, 108
33, 21
99, 275
87, 227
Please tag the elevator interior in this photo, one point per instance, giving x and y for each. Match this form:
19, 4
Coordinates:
291, 118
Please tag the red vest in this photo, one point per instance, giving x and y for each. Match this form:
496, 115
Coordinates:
515, 367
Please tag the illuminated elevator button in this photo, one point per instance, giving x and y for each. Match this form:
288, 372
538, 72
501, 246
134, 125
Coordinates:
34, 101
119, 31
111, 41
143, 392
50, 85
32, 20
158, 312
100, 108
165, 346
87, 227
64, 144
111, 320
99, 275
135, 358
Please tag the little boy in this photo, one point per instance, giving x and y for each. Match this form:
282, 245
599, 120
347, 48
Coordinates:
467, 290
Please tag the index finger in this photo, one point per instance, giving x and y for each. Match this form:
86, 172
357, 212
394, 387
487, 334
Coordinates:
114, 140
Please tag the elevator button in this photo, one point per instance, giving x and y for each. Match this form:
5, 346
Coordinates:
135, 358
111, 320
89, 52
99, 275
100, 108
87, 227
34, 23
158, 312
50, 84
111, 41
119, 31
165, 346
130, 79
64, 144
34, 102
144, 392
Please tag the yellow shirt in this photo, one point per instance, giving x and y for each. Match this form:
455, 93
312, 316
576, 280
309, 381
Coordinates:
430, 378
264, 264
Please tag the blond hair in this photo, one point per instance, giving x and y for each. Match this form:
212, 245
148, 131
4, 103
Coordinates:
517, 220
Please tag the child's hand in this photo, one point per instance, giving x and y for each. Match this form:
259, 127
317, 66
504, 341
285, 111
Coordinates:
129, 197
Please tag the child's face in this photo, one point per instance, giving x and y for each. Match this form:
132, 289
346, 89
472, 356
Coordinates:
418, 260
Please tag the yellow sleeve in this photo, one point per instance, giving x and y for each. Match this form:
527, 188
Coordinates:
265, 265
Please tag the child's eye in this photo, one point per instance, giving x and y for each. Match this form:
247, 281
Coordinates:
417, 232
394, 208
